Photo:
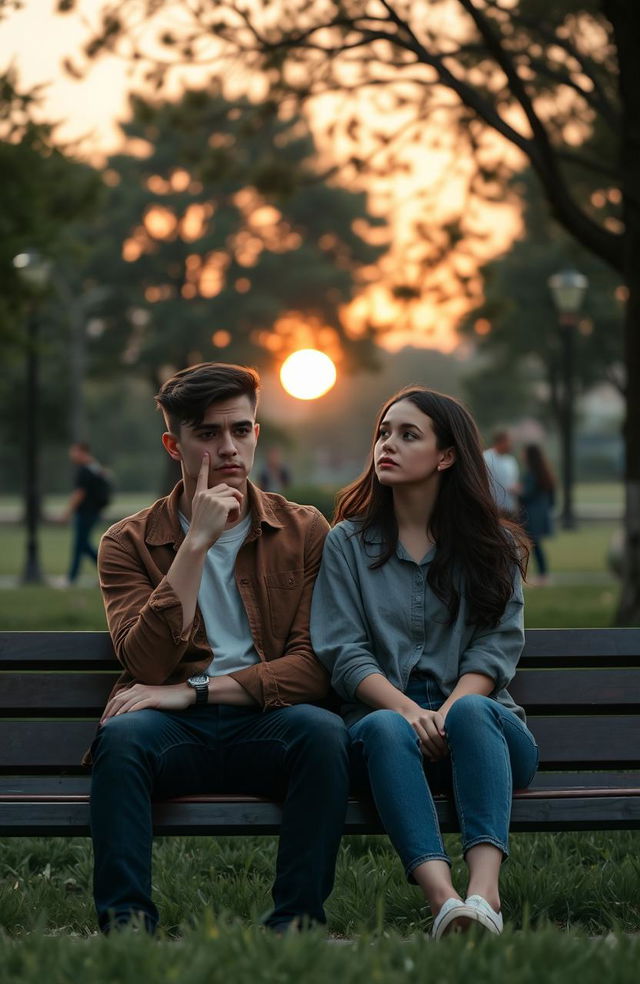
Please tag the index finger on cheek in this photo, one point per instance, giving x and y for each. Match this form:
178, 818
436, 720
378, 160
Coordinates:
203, 474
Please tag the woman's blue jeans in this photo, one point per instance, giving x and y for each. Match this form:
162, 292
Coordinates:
295, 754
491, 753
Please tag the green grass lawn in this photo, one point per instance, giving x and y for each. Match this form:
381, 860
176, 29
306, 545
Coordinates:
81, 608
570, 606
31, 608
558, 891
54, 549
599, 493
231, 954
584, 549
581, 881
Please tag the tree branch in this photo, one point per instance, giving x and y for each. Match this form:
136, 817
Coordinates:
588, 66
543, 157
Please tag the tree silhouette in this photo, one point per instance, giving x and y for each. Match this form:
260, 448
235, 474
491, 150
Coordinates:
214, 243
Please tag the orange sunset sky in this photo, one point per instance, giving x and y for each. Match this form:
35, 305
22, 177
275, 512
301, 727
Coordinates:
35, 41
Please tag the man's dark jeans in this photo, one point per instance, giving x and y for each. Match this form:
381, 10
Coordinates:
295, 754
83, 522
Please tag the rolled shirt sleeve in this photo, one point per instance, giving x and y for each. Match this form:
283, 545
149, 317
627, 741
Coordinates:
495, 651
145, 622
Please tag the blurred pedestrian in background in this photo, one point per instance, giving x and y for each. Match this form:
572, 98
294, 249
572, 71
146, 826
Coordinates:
503, 474
537, 499
274, 475
92, 491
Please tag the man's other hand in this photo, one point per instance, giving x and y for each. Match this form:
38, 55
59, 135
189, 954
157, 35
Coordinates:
140, 696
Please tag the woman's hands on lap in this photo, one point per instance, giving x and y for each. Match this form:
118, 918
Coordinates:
429, 727
376, 691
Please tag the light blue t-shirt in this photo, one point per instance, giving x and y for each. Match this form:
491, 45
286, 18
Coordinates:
503, 476
224, 615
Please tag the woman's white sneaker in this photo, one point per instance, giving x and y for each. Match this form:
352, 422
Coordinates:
485, 914
452, 910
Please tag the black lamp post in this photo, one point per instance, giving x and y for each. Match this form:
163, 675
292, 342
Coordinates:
33, 270
567, 289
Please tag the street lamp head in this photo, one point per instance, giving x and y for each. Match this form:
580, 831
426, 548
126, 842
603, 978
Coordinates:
568, 289
33, 269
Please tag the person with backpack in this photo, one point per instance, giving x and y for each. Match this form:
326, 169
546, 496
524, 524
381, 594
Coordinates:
92, 491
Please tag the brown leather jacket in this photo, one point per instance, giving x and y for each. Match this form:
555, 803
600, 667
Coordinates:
275, 572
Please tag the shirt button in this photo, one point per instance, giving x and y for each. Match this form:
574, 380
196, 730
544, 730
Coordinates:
244, 580
291, 580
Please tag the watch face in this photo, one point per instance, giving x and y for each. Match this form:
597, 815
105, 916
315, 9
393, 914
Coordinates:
198, 680
200, 684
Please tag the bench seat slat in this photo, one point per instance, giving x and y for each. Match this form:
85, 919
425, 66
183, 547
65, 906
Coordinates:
49, 786
73, 787
216, 799
260, 816
585, 780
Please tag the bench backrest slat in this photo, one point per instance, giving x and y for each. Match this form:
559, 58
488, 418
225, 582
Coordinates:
602, 741
577, 688
614, 644
44, 746
586, 647
65, 650
54, 693
57, 692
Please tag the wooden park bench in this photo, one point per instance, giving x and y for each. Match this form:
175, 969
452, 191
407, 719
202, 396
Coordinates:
580, 687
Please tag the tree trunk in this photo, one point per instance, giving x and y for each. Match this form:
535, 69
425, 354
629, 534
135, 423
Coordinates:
625, 18
629, 606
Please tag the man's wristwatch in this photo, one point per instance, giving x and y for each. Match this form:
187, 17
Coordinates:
200, 684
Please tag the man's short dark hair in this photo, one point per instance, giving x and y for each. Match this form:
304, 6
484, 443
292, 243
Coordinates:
186, 396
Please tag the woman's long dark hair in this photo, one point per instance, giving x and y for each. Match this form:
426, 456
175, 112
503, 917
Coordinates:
539, 467
471, 538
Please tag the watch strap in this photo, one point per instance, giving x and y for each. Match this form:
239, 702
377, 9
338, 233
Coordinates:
201, 686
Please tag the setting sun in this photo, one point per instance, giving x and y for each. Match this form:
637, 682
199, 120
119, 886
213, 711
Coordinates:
307, 374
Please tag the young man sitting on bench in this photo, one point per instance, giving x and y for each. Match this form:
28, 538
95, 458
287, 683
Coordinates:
207, 594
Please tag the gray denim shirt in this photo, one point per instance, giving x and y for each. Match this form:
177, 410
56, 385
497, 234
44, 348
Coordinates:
389, 621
